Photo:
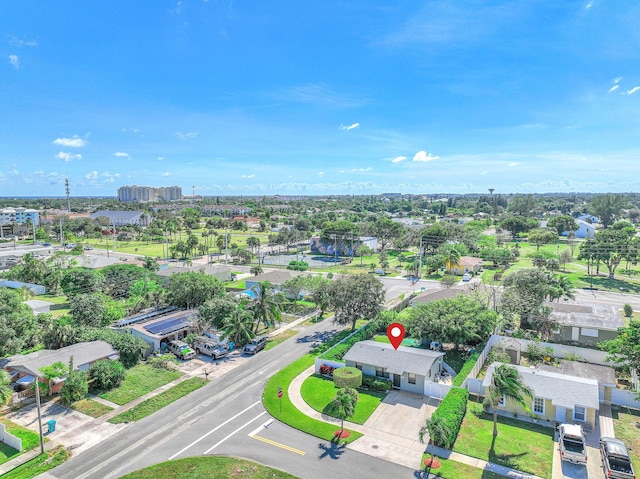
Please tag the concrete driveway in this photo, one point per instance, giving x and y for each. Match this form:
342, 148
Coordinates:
566, 470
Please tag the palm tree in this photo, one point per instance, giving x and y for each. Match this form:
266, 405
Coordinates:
344, 404
5, 387
265, 305
451, 257
438, 431
256, 270
544, 323
506, 384
253, 243
237, 326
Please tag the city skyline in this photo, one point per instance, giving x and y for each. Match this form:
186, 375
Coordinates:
358, 98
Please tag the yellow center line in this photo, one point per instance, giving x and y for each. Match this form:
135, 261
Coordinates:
277, 444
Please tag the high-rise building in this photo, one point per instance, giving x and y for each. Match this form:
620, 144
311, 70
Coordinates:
139, 194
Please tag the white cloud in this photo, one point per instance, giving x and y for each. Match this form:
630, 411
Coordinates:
15, 41
320, 173
423, 156
121, 154
248, 176
617, 80
614, 88
514, 163
73, 142
589, 5
633, 90
165, 174
360, 170
187, 136
106, 174
161, 158
349, 127
109, 180
66, 157
398, 159
15, 61
92, 175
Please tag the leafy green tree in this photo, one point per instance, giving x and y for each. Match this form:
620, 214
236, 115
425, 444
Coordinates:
610, 246
5, 387
498, 256
75, 386
563, 223
256, 270
216, 310
432, 237
628, 310
362, 251
294, 287
94, 309
81, 281
318, 288
506, 384
150, 263
518, 224
191, 289
607, 208
128, 346
540, 236
18, 325
387, 231
625, 348
344, 404
107, 373
356, 297
522, 205
61, 332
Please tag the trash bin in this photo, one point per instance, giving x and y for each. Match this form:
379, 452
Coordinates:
231, 345
51, 424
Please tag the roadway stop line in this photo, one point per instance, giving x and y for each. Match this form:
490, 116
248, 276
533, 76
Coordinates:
254, 435
234, 432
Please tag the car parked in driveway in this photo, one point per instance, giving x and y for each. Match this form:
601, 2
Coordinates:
616, 459
573, 447
256, 345
204, 345
466, 277
181, 349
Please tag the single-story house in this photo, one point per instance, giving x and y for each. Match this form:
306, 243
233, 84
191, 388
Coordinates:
585, 323
157, 329
605, 375
585, 230
410, 369
466, 264
276, 278
39, 306
557, 397
84, 355
430, 295
36, 289
588, 218
222, 272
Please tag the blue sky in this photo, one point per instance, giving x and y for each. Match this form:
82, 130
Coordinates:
288, 97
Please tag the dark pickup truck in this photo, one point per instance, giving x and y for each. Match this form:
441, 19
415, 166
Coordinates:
616, 459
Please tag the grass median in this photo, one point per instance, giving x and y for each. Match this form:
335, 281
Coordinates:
39, 464
290, 414
155, 403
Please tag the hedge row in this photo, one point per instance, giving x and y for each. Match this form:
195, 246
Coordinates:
466, 368
452, 410
339, 350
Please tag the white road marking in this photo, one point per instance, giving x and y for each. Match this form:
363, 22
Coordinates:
213, 430
260, 428
234, 432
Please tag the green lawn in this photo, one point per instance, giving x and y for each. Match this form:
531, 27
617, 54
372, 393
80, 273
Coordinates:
289, 414
280, 338
318, 392
409, 342
29, 438
91, 408
39, 464
216, 467
155, 403
456, 470
140, 380
625, 423
520, 445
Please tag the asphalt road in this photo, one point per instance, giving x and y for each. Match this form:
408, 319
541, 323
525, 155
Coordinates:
218, 418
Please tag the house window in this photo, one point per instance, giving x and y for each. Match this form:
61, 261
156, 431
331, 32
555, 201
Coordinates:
538, 406
580, 413
359, 366
381, 373
592, 333
412, 378
501, 401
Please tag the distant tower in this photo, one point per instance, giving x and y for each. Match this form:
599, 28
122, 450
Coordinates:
68, 191
193, 194
491, 190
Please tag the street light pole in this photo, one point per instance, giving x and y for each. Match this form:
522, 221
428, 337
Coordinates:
39, 415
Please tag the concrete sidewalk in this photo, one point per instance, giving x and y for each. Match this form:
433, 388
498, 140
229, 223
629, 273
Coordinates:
392, 447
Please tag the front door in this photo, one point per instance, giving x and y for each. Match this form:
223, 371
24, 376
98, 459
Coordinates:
396, 381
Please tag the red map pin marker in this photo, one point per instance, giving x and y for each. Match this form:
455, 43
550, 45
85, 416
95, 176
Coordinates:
395, 333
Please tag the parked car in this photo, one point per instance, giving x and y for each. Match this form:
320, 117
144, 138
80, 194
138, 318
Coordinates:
572, 442
204, 345
181, 349
615, 459
70, 245
256, 344
466, 277
88, 247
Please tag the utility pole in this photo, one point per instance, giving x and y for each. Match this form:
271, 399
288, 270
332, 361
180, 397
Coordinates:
226, 246
114, 236
166, 239
193, 194
67, 191
61, 234
420, 260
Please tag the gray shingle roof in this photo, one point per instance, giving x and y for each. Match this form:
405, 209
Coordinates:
116, 215
83, 353
598, 316
274, 277
402, 360
436, 294
561, 389
605, 375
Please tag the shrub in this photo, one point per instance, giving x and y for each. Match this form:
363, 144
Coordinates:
337, 352
376, 384
326, 370
347, 377
107, 373
537, 353
74, 388
628, 310
451, 412
298, 265
572, 357
466, 369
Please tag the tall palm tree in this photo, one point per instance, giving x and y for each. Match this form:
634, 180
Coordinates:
438, 431
344, 404
506, 384
265, 305
451, 257
544, 323
237, 326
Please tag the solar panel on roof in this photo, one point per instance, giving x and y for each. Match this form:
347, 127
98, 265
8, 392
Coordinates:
167, 326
